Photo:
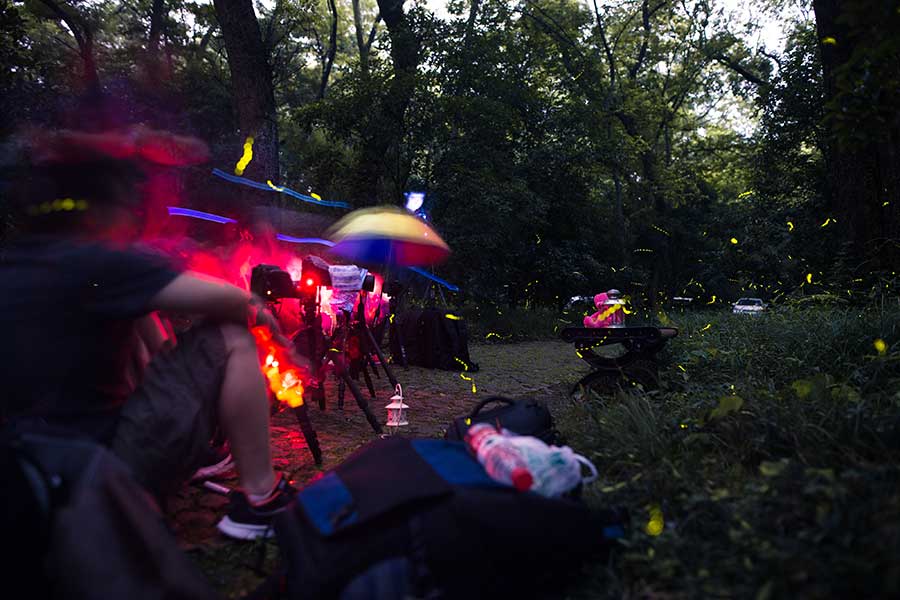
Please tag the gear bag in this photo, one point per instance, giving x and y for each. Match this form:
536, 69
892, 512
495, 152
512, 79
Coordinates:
420, 517
82, 528
525, 417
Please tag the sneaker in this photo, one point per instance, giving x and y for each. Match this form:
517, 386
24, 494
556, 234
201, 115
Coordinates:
219, 463
248, 521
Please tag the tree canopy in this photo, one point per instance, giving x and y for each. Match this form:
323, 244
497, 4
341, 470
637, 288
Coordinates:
564, 146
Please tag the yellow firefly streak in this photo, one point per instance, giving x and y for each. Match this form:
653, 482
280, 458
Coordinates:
713, 301
790, 226
827, 221
246, 158
656, 523
809, 278
880, 346
463, 374
708, 325
453, 317
316, 196
734, 240
829, 41
273, 186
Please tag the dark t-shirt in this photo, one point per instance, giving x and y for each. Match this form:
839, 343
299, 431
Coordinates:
67, 314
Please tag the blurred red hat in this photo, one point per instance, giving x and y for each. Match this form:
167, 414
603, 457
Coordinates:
137, 143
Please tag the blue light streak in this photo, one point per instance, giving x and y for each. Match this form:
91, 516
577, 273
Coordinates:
199, 214
295, 240
283, 190
434, 278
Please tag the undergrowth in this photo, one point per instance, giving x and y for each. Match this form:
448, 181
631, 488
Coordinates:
768, 457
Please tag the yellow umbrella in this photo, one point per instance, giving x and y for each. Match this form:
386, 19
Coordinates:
387, 235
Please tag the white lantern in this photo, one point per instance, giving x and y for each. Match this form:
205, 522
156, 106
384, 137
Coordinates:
396, 410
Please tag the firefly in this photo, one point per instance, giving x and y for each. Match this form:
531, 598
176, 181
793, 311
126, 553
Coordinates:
790, 226
880, 346
829, 41
246, 157
656, 523
734, 240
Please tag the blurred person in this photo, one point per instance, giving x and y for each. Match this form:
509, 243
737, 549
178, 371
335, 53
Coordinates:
82, 349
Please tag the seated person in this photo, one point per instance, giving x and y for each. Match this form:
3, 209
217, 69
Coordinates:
73, 294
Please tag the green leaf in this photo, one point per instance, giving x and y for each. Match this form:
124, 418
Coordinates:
802, 387
772, 469
727, 405
845, 393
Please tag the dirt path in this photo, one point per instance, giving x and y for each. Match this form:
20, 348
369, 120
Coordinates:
541, 370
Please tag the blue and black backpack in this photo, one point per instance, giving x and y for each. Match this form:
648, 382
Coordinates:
420, 518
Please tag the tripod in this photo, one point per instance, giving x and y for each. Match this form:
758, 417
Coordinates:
309, 433
310, 341
359, 344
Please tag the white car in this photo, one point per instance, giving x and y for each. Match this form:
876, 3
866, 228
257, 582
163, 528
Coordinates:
748, 306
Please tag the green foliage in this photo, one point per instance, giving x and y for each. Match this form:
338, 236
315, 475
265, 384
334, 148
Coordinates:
771, 450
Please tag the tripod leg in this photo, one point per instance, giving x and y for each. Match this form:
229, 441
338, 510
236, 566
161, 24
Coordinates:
374, 348
368, 378
371, 362
312, 440
363, 404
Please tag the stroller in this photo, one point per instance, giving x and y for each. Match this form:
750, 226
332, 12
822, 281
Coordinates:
631, 364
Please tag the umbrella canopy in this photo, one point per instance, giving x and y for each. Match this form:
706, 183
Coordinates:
387, 235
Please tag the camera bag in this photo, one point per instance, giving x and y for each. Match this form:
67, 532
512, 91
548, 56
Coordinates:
420, 518
524, 417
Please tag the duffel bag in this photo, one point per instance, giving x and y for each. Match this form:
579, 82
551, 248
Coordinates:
421, 518
524, 417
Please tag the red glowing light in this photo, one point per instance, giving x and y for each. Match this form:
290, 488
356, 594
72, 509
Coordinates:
284, 378
310, 281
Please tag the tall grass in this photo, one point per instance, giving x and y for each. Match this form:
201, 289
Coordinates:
772, 449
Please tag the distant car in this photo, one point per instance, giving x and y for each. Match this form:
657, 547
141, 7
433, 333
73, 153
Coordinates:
749, 306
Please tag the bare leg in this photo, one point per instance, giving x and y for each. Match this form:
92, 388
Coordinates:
244, 412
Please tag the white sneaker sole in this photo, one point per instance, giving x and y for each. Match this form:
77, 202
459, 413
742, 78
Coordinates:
244, 531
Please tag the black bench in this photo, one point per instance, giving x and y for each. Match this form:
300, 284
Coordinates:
634, 364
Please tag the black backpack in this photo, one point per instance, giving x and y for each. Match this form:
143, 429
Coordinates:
525, 417
80, 527
420, 517
433, 338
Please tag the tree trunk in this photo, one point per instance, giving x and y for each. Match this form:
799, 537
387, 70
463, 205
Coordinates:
385, 166
332, 49
251, 82
863, 177
84, 37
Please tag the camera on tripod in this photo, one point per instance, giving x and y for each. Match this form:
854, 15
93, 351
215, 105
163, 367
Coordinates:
271, 283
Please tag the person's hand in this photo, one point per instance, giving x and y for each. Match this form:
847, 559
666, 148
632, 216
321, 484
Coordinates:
265, 318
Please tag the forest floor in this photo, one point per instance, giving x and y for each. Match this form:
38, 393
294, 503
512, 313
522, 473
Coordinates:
543, 370
766, 465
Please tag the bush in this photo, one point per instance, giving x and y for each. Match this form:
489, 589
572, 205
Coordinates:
765, 466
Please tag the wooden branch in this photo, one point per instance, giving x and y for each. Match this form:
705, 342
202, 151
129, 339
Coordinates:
332, 49
609, 55
372, 32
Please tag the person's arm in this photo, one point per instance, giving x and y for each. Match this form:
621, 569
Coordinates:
197, 294
218, 300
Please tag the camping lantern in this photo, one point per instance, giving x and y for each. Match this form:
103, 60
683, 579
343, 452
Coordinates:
614, 305
396, 410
